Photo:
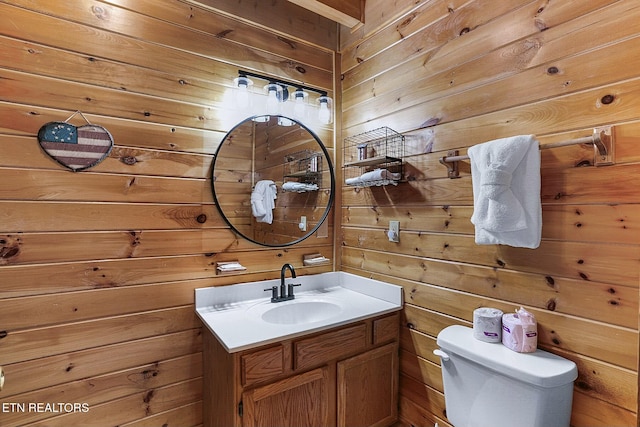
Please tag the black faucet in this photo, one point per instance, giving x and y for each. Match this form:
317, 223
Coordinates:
286, 293
283, 271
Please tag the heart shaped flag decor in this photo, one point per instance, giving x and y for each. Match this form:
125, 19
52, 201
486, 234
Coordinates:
76, 148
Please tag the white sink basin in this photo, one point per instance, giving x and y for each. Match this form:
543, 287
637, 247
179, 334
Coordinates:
300, 312
242, 316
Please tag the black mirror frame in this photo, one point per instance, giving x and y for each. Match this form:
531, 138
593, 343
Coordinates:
332, 187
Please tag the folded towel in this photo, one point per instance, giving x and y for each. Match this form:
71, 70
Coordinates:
371, 177
230, 266
262, 200
299, 187
506, 192
353, 181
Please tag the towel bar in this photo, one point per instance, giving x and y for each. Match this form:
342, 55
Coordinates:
602, 140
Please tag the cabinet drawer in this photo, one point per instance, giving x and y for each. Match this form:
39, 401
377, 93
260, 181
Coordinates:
330, 346
262, 365
386, 329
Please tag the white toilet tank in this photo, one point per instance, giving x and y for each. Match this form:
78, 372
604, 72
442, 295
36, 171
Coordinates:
489, 385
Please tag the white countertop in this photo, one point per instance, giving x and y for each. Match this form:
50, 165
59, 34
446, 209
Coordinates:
233, 313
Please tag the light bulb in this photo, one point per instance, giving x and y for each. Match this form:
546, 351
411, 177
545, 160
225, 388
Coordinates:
324, 114
272, 99
242, 96
299, 107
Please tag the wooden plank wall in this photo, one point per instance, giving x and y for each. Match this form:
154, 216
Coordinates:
98, 268
451, 74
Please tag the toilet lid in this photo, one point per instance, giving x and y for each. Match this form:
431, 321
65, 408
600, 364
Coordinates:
540, 368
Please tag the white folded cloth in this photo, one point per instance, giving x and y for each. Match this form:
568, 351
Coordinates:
262, 200
506, 192
299, 187
372, 176
353, 181
230, 266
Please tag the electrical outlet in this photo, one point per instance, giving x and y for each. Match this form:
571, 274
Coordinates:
303, 223
394, 231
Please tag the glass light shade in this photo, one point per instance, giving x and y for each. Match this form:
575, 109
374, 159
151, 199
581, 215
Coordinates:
325, 111
274, 95
300, 103
242, 95
261, 119
283, 121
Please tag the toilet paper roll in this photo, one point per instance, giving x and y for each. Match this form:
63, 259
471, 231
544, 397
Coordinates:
487, 324
520, 331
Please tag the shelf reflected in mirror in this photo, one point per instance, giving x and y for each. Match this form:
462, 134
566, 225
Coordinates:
268, 156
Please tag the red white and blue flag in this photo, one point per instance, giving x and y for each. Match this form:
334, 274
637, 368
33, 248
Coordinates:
77, 148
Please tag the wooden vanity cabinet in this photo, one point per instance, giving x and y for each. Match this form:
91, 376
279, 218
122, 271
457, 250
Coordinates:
345, 377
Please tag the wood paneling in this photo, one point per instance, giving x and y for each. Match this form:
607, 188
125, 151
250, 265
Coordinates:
349, 13
98, 268
453, 74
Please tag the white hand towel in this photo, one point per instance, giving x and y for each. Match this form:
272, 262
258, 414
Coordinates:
262, 200
506, 192
299, 187
354, 181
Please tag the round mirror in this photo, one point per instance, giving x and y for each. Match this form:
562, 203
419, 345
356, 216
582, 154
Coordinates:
273, 181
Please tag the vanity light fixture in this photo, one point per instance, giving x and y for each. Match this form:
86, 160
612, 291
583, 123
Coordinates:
277, 94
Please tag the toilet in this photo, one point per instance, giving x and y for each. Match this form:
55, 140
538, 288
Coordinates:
489, 385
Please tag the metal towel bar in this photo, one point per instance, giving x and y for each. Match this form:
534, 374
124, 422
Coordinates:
602, 140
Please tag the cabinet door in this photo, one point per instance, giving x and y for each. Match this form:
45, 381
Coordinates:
368, 388
298, 401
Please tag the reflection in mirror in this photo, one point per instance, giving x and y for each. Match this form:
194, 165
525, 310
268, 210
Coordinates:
269, 156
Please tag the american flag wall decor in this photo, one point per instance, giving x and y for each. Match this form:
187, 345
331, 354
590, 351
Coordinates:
76, 148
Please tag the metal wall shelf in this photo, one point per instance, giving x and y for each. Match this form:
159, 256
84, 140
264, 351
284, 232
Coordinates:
381, 148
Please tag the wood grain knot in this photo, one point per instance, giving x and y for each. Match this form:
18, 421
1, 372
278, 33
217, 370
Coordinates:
149, 373
607, 99
9, 251
290, 43
202, 218
100, 12
553, 70
129, 160
223, 34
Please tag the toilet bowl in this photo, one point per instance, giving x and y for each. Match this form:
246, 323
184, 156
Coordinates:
489, 385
